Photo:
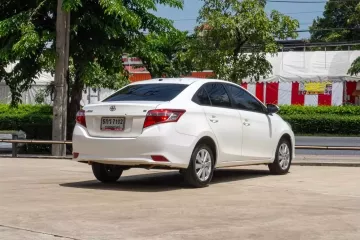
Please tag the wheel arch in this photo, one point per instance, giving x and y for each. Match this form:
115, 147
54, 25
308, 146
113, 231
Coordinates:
287, 136
212, 144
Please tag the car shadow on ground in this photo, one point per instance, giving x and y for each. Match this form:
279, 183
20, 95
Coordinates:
166, 181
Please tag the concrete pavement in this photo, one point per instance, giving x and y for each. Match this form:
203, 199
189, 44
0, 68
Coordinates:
59, 199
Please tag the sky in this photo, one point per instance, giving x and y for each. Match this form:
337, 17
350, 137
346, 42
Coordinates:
185, 19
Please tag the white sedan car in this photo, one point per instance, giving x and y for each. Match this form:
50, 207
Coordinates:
194, 125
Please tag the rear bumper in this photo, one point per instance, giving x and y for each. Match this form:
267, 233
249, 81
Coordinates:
161, 140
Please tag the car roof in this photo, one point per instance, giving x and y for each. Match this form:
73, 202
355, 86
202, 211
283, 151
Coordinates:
187, 81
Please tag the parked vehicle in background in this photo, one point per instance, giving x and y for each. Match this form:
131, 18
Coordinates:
194, 125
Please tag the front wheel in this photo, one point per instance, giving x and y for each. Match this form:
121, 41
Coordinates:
106, 173
201, 168
283, 157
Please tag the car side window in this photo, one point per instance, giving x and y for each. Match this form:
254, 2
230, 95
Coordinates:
201, 97
243, 100
218, 95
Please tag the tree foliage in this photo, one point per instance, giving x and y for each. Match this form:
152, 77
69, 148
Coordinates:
23, 37
163, 54
234, 37
340, 22
101, 32
355, 67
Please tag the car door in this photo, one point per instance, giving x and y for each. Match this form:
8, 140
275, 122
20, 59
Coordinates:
257, 139
224, 121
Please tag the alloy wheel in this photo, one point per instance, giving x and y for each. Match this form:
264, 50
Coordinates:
203, 165
284, 156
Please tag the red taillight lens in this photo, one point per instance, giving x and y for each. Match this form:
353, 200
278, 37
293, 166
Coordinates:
80, 118
162, 116
75, 155
158, 158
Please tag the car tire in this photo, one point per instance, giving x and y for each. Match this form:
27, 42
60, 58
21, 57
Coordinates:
283, 158
106, 173
201, 167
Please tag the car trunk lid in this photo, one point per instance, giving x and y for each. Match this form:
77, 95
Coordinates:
117, 119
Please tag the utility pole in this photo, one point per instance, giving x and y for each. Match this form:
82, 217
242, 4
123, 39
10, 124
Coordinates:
61, 74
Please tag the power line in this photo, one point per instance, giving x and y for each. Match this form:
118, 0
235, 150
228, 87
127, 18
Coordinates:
290, 45
184, 19
179, 20
291, 13
308, 30
326, 29
286, 13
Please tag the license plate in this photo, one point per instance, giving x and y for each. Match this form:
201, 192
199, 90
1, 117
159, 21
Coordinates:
112, 124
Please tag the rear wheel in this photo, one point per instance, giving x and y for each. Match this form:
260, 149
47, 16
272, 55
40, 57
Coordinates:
282, 162
201, 168
106, 173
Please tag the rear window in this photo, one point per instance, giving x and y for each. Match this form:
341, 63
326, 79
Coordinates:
147, 92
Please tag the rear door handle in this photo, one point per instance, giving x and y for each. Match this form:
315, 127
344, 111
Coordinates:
246, 124
214, 120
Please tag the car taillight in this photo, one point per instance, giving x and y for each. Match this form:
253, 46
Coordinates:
158, 116
80, 118
159, 158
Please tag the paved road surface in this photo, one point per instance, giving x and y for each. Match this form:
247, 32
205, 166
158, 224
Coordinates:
328, 141
60, 200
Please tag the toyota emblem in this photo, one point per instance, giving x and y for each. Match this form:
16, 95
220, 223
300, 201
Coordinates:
112, 108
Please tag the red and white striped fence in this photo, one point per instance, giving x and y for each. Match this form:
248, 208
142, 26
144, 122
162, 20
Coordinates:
289, 93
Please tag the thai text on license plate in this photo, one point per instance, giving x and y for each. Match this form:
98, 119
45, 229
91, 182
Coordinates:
112, 124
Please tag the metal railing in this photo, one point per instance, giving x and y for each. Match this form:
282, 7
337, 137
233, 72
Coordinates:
15, 143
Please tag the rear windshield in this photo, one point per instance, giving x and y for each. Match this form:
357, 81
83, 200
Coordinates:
147, 92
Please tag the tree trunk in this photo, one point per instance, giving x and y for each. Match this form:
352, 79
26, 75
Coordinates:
76, 96
60, 102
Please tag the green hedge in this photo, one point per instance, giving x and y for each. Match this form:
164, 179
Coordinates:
323, 124
323, 120
286, 110
34, 120
25, 109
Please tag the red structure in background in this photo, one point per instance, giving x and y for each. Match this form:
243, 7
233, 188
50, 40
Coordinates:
135, 77
350, 89
140, 74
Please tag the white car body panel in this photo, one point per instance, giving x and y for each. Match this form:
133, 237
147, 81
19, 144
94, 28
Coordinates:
227, 127
257, 136
236, 142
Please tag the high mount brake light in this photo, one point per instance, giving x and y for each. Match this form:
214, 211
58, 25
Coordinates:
158, 116
80, 118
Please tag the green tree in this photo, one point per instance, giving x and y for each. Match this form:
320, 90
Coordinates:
354, 70
234, 37
101, 31
163, 54
338, 23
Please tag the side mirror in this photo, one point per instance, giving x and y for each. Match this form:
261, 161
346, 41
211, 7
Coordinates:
272, 108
